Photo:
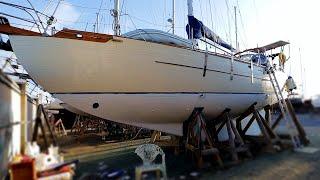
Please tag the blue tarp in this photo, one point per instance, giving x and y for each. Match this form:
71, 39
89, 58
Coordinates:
261, 58
197, 30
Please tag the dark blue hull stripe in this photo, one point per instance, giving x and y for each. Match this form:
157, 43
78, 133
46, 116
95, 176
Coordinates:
208, 69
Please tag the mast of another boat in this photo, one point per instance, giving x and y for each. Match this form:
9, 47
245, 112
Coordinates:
302, 74
190, 7
236, 28
173, 15
116, 18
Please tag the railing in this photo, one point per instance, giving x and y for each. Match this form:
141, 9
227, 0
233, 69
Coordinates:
35, 20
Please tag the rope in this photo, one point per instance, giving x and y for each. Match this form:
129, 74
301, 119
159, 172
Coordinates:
136, 134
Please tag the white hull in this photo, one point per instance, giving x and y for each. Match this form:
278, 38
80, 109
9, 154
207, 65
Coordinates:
164, 112
140, 83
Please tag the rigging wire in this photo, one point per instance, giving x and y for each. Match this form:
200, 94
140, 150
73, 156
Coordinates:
184, 20
45, 9
22, 7
201, 10
153, 16
36, 14
145, 21
122, 5
164, 26
229, 23
78, 6
164, 13
121, 9
256, 12
97, 19
243, 27
220, 19
211, 16
79, 17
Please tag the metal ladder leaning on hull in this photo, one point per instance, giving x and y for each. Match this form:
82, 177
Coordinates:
283, 107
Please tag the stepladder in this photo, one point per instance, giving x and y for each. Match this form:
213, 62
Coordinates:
286, 113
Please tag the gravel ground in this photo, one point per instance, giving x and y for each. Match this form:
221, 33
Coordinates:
282, 165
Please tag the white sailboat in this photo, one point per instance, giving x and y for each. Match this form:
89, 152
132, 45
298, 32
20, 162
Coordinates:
146, 78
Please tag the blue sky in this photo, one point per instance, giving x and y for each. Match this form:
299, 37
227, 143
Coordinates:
141, 14
259, 22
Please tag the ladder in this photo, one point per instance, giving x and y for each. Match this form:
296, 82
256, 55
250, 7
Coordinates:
283, 107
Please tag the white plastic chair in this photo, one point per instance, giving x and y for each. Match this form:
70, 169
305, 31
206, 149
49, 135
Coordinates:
148, 153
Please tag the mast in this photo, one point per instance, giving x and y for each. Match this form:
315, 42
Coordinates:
301, 73
96, 29
173, 15
116, 18
236, 27
190, 7
50, 21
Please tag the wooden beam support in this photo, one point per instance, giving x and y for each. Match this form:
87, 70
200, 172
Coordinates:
276, 122
52, 133
232, 145
24, 117
241, 141
302, 133
268, 128
267, 116
247, 112
221, 126
243, 132
221, 119
242, 116
194, 139
41, 113
155, 136
266, 136
235, 141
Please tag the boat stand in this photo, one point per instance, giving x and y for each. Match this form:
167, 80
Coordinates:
59, 128
155, 136
268, 138
235, 142
198, 140
80, 125
41, 114
301, 132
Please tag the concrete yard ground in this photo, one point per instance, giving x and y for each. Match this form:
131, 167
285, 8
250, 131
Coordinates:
287, 164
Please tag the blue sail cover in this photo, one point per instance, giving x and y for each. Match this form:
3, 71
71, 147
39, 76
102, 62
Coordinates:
196, 29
